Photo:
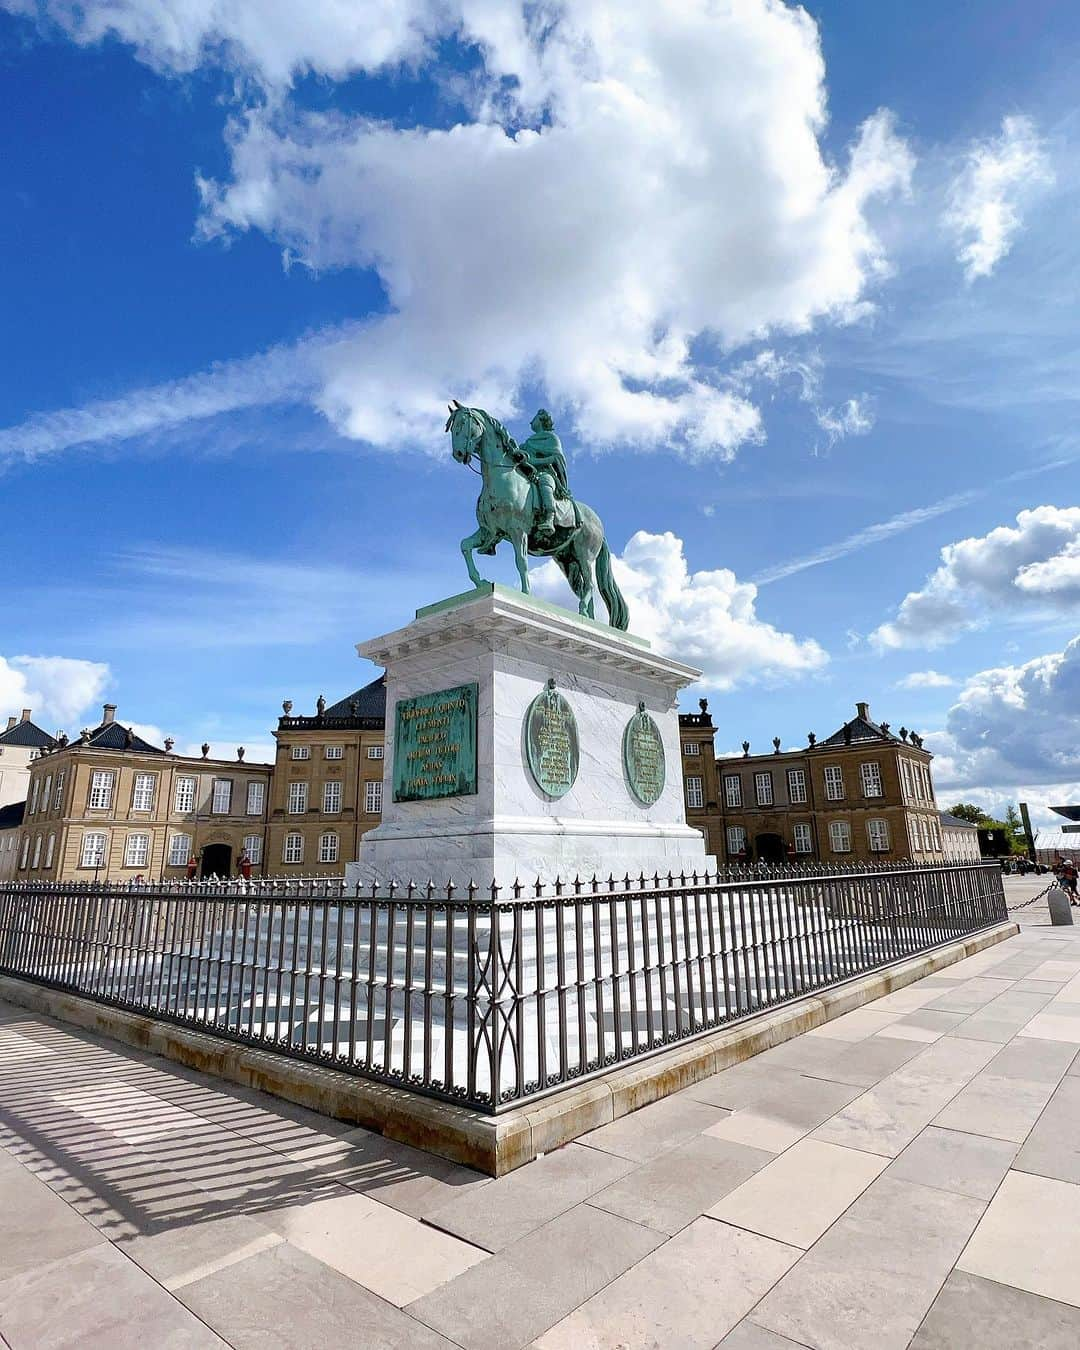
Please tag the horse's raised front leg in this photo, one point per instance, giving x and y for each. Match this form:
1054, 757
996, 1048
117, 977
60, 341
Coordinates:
521, 557
474, 540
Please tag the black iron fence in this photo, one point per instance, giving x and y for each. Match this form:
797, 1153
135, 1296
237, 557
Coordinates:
485, 998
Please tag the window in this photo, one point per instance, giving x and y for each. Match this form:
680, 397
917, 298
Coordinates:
179, 849
297, 799
34, 790
37, 852
253, 847
877, 831
328, 848
256, 798
301, 752
185, 797
25, 851
840, 836
136, 850
695, 797
375, 752
736, 840
58, 798
50, 849
101, 790
335, 752
331, 797
46, 792
870, 773
905, 779
834, 783
373, 798
93, 850
924, 834
692, 748
221, 802
803, 840
733, 789
142, 794
796, 785
928, 791
293, 852
763, 789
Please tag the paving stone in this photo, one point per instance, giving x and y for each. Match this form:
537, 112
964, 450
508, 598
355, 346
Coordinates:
1052, 1149
36, 1226
1029, 1237
514, 1205
778, 1120
968, 1164
856, 1025
678, 1186
803, 1053
971, 1311
1037, 986
749, 1336
392, 1254
871, 1278
687, 1293
97, 1300
284, 1299
743, 1084
528, 1287
868, 1062
645, 1133
1059, 1022
1001, 1108
800, 1194
185, 1253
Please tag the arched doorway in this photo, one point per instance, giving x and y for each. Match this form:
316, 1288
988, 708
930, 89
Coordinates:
770, 848
216, 860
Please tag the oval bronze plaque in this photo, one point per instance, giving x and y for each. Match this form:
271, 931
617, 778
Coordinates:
643, 757
551, 742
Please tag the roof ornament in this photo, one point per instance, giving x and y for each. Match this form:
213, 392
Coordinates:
745, 748
169, 743
240, 753
286, 706
703, 704
62, 739
903, 733
885, 728
776, 745
811, 739
847, 733
320, 705
129, 739
205, 749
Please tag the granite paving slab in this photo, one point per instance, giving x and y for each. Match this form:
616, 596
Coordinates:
780, 1119
644, 1133
971, 1311
969, 1164
1052, 1149
36, 1226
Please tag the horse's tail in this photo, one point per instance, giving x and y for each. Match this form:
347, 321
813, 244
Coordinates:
618, 614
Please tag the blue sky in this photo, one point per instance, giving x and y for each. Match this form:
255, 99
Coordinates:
799, 287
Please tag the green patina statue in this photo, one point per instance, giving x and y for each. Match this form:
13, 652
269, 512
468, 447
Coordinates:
526, 499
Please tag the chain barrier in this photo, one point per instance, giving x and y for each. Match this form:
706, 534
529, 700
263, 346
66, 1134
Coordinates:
1011, 909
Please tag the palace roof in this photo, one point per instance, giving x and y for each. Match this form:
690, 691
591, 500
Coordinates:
27, 735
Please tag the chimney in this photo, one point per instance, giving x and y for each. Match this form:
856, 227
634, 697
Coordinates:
863, 709
10, 722
108, 713
25, 715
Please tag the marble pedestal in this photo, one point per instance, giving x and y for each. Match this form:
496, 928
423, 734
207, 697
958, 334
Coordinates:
510, 645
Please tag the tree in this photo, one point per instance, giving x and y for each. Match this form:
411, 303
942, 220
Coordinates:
1014, 830
968, 811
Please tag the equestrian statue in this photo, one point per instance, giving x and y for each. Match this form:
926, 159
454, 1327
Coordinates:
527, 500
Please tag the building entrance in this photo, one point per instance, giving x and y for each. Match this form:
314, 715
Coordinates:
770, 848
216, 860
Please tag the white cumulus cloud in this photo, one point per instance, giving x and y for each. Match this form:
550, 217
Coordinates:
987, 197
709, 618
624, 180
926, 679
1030, 567
57, 689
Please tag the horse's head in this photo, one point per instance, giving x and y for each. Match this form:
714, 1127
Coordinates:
465, 431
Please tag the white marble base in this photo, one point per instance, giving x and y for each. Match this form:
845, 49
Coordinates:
510, 645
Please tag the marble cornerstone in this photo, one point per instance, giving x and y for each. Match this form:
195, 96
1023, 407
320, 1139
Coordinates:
524, 741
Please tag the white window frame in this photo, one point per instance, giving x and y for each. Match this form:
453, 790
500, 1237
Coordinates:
253, 846
834, 783
102, 786
732, 789
292, 848
140, 801
376, 751
796, 786
736, 840
46, 792
37, 853
24, 857
695, 792
803, 837
329, 847
98, 856
178, 857
870, 776
373, 797
692, 748
877, 835
335, 752
301, 752
50, 850
215, 808
185, 787
255, 804
905, 780
35, 789
58, 791
331, 797
134, 846
763, 779
298, 797
839, 836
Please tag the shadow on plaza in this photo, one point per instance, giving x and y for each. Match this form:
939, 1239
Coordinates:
139, 1146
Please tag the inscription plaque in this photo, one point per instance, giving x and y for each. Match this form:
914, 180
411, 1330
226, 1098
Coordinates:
643, 757
435, 744
551, 742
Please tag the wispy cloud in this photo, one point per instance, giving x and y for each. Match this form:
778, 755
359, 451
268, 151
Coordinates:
852, 417
926, 679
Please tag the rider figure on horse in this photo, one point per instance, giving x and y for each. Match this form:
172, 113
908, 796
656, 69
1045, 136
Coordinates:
541, 458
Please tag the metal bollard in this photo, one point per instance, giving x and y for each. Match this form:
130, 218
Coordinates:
1060, 908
